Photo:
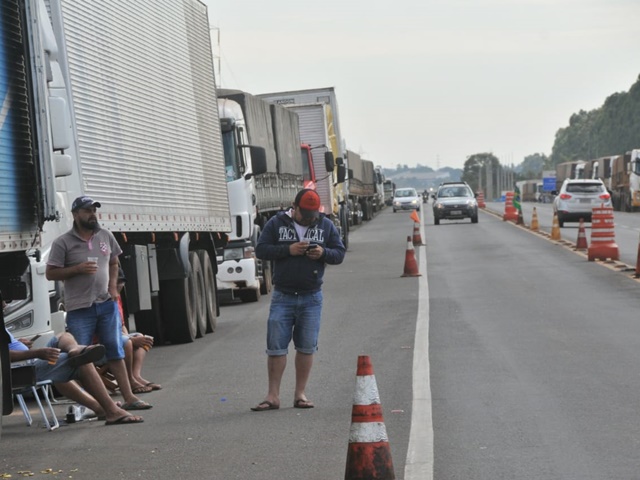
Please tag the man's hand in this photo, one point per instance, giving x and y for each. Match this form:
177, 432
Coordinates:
47, 353
87, 268
315, 253
113, 292
141, 341
298, 248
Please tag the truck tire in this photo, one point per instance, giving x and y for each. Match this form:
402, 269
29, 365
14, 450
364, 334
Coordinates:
211, 298
198, 294
179, 318
344, 226
267, 280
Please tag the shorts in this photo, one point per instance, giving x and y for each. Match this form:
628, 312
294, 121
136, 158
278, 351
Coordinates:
293, 316
61, 372
101, 319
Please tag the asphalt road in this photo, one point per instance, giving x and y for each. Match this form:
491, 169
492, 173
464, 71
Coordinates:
534, 358
533, 354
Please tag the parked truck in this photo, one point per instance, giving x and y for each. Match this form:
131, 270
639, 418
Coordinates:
530, 190
32, 144
625, 181
136, 128
571, 170
258, 188
389, 189
319, 121
362, 187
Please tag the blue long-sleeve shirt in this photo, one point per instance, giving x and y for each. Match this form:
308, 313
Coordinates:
299, 273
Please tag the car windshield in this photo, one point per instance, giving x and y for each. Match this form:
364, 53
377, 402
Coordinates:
454, 192
585, 188
405, 193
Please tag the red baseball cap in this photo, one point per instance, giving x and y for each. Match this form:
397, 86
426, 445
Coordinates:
308, 201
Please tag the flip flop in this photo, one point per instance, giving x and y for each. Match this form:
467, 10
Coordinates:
154, 386
139, 405
125, 420
302, 403
265, 405
89, 354
142, 389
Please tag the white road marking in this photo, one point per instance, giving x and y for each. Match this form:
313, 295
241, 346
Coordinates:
419, 462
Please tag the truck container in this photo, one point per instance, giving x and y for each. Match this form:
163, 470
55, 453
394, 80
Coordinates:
362, 187
253, 127
625, 181
145, 143
389, 188
317, 111
569, 170
530, 190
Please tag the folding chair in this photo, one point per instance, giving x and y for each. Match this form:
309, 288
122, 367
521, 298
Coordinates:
23, 380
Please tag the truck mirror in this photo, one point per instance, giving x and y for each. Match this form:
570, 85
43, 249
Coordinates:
341, 174
258, 161
328, 161
62, 165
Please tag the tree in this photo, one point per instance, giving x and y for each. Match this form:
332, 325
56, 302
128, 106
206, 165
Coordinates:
475, 168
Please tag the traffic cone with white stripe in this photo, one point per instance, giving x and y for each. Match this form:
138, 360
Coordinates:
581, 243
417, 238
535, 224
369, 454
410, 264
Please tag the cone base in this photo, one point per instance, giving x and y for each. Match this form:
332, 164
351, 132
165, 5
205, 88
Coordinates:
369, 461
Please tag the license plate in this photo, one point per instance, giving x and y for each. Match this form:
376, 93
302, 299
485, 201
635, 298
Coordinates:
456, 212
585, 200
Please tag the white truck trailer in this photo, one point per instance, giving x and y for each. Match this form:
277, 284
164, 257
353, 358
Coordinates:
317, 111
138, 93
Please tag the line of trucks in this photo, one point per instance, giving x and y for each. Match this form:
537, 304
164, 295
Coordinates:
619, 173
127, 112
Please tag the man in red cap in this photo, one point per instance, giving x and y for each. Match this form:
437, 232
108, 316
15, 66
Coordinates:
300, 242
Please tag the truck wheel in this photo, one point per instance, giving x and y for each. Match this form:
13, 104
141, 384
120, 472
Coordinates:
344, 226
199, 296
180, 319
267, 281
210, 293
249, 296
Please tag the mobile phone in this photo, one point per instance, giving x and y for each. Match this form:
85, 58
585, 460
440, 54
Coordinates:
33, 339
311, 247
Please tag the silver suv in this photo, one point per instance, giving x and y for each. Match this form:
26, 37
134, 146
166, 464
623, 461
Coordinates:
454, 201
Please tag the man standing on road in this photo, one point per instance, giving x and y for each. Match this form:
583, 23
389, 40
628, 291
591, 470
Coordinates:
86, 259
300, 242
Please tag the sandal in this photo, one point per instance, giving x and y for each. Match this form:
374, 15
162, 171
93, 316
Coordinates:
265, 405
89, 354
303, 403
142, 389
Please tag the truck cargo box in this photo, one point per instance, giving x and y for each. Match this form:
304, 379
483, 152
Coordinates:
146, 114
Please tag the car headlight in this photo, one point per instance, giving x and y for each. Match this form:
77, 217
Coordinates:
414, 201
439, 206
233, 254
471, 203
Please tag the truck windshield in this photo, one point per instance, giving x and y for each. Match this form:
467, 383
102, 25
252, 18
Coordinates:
231, 159
306, 171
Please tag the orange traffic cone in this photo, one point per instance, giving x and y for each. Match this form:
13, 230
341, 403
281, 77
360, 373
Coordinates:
417, 238
581, 243
535, 224
555, 229
410, 264
415, 217
369, 455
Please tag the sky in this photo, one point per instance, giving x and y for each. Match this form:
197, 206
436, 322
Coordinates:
432, 82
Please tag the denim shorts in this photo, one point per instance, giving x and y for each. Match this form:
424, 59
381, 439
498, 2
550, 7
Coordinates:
61, 372
101, 319
293, 316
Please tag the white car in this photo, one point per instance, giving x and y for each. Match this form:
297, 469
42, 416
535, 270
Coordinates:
576, 199
406, 199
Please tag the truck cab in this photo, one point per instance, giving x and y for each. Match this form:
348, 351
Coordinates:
239, 271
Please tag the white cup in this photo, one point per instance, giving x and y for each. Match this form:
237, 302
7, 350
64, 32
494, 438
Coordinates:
92, 259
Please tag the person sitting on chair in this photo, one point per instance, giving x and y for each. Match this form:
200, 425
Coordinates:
62, 361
